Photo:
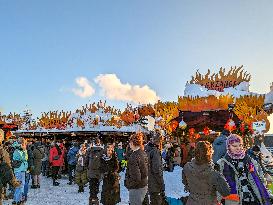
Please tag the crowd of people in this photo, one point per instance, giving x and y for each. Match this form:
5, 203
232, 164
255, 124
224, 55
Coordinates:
219, 173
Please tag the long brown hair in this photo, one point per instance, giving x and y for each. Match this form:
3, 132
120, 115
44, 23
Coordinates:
203, 152
137, 139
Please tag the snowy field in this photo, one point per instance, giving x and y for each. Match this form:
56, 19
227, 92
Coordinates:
68, 195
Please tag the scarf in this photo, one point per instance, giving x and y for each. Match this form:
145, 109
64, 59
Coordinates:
233, 139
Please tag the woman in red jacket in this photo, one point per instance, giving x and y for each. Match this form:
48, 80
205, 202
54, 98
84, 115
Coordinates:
56, 160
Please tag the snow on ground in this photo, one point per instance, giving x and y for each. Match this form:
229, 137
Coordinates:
68, 194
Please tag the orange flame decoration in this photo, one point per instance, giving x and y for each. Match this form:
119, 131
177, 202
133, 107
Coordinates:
54, 119
249, 109
198, 104
221, 80
146, 110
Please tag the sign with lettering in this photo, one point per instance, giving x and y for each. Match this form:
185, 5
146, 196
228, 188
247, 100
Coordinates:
259, 126
220, 85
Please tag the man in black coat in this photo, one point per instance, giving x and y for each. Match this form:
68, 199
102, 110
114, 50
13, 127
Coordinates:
93, 160
156, 186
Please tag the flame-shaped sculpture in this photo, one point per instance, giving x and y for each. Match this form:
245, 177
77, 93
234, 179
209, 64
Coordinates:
221, 80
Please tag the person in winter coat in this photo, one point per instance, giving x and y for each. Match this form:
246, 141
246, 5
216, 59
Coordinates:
72, 161
120, 151
56, 160
156, 186
38, 155
219, 146
169, 157
200, 178
45, 160
110, 194
93, 161
20, 165
81, 170
243, 175
5, 160
255, 153
136, 178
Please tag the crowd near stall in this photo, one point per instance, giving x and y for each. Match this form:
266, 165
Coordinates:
214, 133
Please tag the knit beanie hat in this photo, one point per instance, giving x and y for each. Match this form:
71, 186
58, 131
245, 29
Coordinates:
233, 138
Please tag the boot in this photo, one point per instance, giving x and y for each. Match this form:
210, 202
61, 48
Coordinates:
81, 189
55, 183
34, 186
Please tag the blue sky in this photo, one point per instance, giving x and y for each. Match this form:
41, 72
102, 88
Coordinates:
46, 45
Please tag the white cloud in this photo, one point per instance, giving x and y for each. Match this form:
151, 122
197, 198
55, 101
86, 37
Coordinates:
85, 89
114, 89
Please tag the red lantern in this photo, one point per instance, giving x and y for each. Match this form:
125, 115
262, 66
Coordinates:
174, 125
230, 125
191, 131
250, 128
197, 136
242, 127
206, 131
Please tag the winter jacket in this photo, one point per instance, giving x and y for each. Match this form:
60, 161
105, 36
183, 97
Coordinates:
254, 178
38, 154
72, 155
30, 149
155, 174
20, 155
81, 165
219, 147
56, 159
169, 159
110, 189
93, 160
120, 154
202, 182
46, 154
81, 176
137, 171
258, 159
5, 168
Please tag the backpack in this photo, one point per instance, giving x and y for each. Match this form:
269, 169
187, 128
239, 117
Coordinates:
95, 159
16, 163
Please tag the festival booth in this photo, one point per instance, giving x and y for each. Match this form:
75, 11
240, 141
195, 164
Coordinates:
211, 103
94, 120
